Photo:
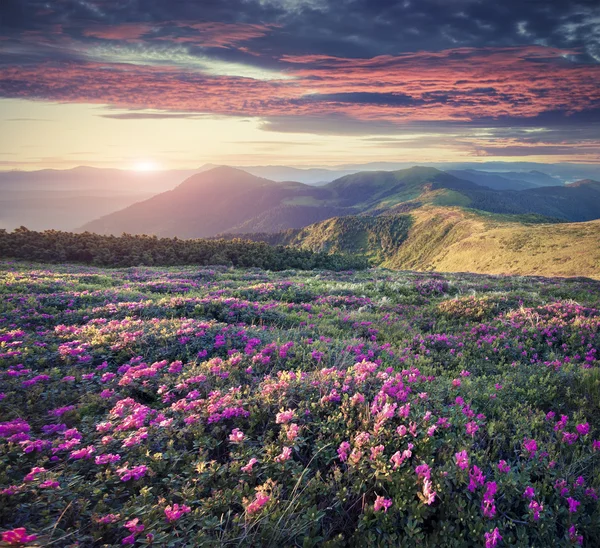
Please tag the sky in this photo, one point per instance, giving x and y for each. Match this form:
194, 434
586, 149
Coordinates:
159, 84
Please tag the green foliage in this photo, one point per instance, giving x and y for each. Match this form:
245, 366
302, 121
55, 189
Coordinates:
127, 250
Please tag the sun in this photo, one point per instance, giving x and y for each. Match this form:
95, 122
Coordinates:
146, 165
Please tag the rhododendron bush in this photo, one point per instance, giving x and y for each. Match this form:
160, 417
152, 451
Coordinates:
204, 407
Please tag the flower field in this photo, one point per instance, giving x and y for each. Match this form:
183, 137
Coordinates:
207, 406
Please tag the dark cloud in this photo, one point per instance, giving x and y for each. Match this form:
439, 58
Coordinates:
349, 28
365, 98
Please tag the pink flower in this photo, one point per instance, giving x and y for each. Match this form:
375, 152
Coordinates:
173, 513
248, 468
471, 428
17, 536
362, 438
129, 539
376, 451
583, 428
492, 538
536, 508
84, 453
36, 470
423, 471
134, 525
428, 493
284, 455
488, 505
292, 431
343, 450
49, 484
108, 518
382, 503
284, 416
462, 459
236, 436
257, 504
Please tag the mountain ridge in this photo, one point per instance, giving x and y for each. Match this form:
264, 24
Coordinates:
226, 199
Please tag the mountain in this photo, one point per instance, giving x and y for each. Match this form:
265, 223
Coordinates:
451, 239
221, 199
494, 181
229, 200
533, 177
309, 176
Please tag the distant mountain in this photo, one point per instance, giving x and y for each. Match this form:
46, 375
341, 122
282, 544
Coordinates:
494, 181
65, 199
533, 177
229, 200
309, 176
451, 239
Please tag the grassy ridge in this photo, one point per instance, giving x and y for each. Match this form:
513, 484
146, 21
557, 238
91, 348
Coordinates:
452, 239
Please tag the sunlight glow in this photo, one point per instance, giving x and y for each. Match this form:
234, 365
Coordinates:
146, 165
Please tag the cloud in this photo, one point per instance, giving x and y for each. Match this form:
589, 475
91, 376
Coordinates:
150, 115
464, 84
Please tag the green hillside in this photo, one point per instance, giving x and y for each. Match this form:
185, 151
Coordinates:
452, 239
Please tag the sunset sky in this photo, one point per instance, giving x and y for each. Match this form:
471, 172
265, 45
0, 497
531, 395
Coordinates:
175, 84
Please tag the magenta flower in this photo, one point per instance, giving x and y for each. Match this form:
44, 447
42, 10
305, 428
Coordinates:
573, 505
17, 536
503, 467
462, 459
529, 492
492, 538
173, 513
382, 503
530, 447
343, 451
536, 508
583, 428
472, 428
423, 471
574, 536
476, 478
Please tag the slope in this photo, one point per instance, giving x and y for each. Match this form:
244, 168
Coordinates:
453, 239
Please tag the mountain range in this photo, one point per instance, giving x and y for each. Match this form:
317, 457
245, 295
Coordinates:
229, 200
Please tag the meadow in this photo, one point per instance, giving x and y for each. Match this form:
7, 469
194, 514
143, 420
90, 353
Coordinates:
213, 406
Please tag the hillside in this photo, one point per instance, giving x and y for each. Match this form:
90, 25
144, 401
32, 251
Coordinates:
451, 239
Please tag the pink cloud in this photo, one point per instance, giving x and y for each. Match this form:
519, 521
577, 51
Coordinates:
459, 84
208, 34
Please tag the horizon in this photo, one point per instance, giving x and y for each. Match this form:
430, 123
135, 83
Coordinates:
305, 83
